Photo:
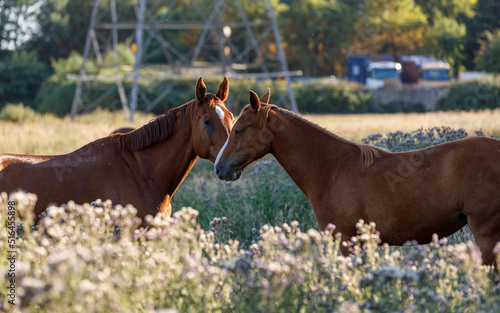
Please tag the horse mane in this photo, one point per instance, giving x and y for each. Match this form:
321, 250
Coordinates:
367, 152
156, 130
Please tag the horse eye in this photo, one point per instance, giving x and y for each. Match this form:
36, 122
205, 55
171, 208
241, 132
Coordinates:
239, 131
206, 121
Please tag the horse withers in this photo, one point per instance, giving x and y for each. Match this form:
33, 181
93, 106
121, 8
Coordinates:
409, 195
143, 167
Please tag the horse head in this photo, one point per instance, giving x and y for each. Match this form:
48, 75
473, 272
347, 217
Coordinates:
211, 121
249, 140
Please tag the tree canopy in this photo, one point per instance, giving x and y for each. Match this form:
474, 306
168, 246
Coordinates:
489, 53
317, 34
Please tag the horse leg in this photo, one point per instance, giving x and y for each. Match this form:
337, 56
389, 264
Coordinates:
486, 232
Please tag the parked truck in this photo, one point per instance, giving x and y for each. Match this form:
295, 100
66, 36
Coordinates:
425, 71
374, 70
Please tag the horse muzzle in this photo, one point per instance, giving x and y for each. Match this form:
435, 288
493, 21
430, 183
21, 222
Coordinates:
225, 173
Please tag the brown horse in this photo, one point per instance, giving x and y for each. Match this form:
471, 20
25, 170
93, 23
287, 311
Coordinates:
144, 167
7, 159
409, 195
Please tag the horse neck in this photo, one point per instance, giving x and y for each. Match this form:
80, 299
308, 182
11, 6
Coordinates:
168, 162
308, 152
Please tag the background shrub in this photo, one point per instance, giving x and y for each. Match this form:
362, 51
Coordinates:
421, 138
56, 94
313, 96
18, 113
472, 95
317, 96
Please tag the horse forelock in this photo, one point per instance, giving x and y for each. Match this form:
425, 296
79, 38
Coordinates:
263, 113
227, 117
158, 129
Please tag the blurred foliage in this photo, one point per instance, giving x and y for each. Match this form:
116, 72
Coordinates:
63, 28
316, 42
445, 40
124, 56
314, 96
56, 94
395, 27
18, 113
486, 16
317, 35
488, 57
21, 74
14, 15
472, 95
421, 138
318, 97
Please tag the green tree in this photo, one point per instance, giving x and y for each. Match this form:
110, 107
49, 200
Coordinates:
486, 18
316, 34
20, 77
447, 36
395, 26
62, 29
446, 40
459, 10
488, 57
16, 22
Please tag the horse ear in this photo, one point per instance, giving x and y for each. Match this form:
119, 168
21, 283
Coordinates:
223, 90
265, 97
254, 101
201, 90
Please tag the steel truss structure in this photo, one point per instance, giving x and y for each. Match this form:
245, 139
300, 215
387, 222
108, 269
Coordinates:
216, 38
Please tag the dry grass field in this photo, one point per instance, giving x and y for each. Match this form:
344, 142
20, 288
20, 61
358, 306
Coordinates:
49, 135
355, 127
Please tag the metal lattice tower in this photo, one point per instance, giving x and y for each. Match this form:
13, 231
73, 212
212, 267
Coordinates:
218, 34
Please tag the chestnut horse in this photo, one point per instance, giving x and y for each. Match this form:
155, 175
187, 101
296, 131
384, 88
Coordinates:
7, 159
143, 168
409, 195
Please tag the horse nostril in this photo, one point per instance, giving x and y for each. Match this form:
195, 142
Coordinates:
217, 171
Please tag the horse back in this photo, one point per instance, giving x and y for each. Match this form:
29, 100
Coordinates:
438, 185
73, 176
9, 159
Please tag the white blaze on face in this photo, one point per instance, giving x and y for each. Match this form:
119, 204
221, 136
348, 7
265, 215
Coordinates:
220, 112
220, 154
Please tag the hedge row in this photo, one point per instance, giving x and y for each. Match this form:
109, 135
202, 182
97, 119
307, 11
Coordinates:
472, 95
23, 74
311, 97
